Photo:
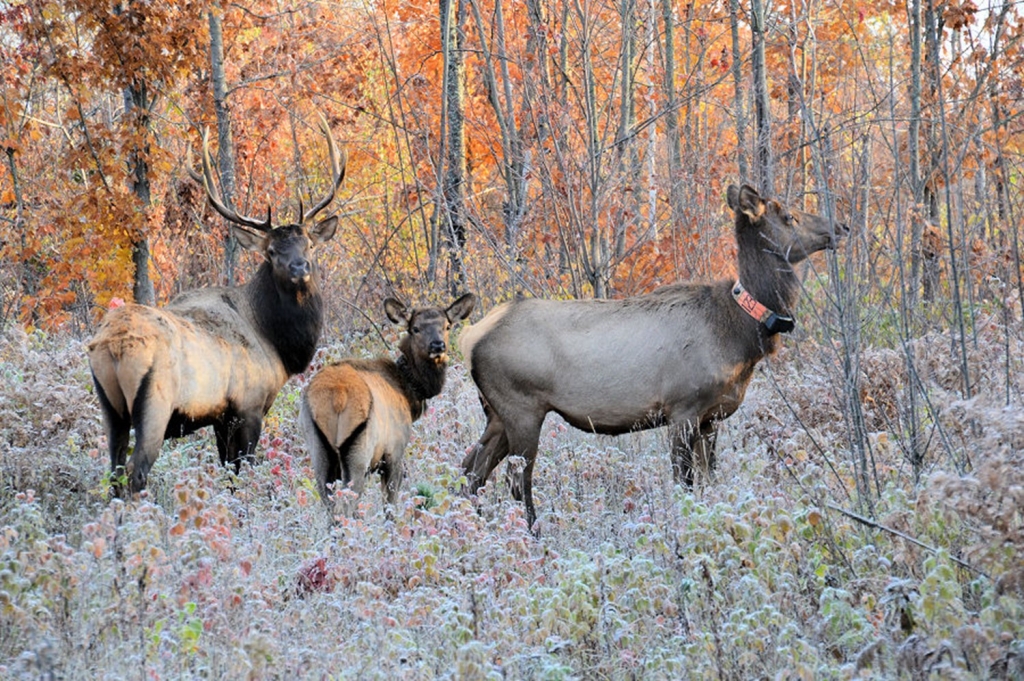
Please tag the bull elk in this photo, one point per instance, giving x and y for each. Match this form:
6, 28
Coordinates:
357, 414
681, 356
214, 356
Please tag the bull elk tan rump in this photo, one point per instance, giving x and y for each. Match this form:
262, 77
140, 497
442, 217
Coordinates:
215, 356
681, 356
357, 415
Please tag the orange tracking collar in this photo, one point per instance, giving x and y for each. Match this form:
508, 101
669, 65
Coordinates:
774, 322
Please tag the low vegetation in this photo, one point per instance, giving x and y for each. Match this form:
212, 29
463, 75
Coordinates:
778, 568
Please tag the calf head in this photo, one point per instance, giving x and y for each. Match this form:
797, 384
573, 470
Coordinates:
790, 234
426, 340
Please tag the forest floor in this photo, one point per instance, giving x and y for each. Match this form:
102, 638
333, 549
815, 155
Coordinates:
776, 567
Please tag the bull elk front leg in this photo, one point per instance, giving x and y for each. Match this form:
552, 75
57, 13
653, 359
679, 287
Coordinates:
237, 438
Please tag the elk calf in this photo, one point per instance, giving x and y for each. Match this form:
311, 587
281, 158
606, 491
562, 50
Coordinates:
680, 357
214, 356
357, 415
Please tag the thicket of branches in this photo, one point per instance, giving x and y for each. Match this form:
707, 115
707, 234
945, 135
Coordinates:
550, 148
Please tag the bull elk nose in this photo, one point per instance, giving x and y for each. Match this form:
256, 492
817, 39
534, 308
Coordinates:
299, 269
437, 347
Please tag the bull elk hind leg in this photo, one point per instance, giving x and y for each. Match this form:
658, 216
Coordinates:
151, 412
117, 424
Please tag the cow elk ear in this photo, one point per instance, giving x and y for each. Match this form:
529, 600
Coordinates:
323, 230
248, 240
396, 311
745, 199
461, 308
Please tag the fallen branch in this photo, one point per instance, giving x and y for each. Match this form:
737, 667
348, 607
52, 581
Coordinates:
901, 535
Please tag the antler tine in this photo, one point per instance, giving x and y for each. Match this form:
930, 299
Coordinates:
214, 196
339, 160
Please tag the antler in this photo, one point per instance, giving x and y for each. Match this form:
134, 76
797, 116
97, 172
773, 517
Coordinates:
211, 192
339, 160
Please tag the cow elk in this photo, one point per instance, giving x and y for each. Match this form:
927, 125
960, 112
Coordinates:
214, 356
357, 414
681, 356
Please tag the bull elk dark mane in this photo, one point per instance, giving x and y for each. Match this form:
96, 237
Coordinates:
214, 356
681, 356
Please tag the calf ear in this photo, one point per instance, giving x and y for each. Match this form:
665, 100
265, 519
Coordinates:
461, 308
323, 230
248, 240
745, 199
396, 311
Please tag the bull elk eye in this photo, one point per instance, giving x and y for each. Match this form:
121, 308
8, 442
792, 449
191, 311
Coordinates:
415, 329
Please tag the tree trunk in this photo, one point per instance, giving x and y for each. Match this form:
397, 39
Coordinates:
762, 112
452, 216
629, 161
26, 272
225, 143
137, 104
737, 78
931, 247
514, 157
675, 157
914, 150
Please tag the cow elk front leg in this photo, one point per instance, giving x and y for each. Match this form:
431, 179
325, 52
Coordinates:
693, 447
523, 439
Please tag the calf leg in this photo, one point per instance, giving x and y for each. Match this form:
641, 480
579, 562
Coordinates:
392, 473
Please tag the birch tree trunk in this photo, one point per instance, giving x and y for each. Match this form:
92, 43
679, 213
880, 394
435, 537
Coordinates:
451, 216
762, 113
225, 143
737, 78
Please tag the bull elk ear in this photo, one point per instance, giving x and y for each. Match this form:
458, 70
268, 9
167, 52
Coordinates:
396, 311
745, 199
461, 308
323, 230
248, 240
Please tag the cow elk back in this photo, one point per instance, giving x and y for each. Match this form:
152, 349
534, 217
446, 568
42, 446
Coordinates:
357, 414
681, 356
214, 356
